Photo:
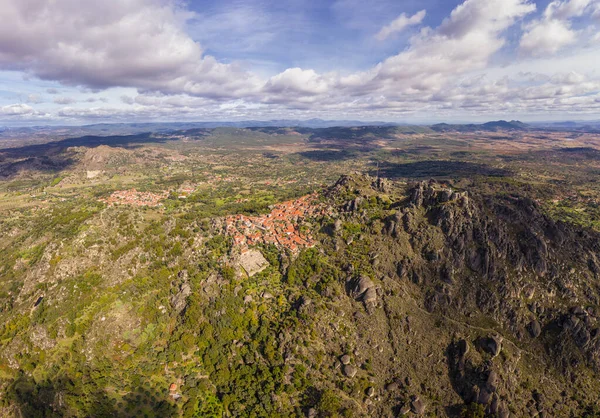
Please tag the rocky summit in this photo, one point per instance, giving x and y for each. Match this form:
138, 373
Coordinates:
478, 298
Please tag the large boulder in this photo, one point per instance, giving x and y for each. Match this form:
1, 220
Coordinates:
363, 289
350, 370
362, 285
492, 345
535, 329
417, 406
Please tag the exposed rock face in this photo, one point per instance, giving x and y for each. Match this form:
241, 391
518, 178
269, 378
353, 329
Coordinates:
382, 185
179, 300
505, 240
337, 226
417, 406
350, 371
463, 221
363, 289
252, 262
491, 345
535, 329
462, 349
40, 338
353, 205
92, 174
583, 332
494, 265
370, 296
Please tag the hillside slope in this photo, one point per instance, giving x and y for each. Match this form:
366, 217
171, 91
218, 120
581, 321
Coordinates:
426, 298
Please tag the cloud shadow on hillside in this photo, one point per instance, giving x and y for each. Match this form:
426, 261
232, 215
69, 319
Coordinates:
328, 155
47, 399
437, 169
52, 157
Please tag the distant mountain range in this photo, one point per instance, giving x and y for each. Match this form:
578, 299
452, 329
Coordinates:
133, 128
109, 129
500, 125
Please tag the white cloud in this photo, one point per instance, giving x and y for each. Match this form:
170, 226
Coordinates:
566, 9
16, 110
143, 45
132, 43
488, 17
553, 32
570, 78
547, 37
296, 80
464, 42
399, 24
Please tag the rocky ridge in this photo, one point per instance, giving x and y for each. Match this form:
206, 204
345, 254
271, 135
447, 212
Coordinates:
519, 288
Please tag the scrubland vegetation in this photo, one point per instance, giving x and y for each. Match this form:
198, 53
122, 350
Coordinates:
116, 309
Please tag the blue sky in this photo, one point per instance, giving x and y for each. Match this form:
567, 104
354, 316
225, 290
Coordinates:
318, 34
73, 62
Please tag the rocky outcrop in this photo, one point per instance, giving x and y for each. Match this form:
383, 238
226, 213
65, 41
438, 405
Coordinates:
417, 406
478, 383
350, 370
581, 330
363, 289
535, 329
354, 204
179, 299
494, 262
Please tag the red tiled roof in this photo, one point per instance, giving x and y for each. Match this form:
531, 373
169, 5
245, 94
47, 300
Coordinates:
279, 226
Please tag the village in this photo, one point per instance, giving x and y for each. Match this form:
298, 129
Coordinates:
280, 227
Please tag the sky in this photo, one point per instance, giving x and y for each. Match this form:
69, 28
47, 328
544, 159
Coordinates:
66, 62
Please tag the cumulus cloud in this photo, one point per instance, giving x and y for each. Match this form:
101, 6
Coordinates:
465, 41
566, 9
570, 78
21, 112
296, 80
554, 31
399, 24
132, 43
547, 37
143, 44
16, 110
